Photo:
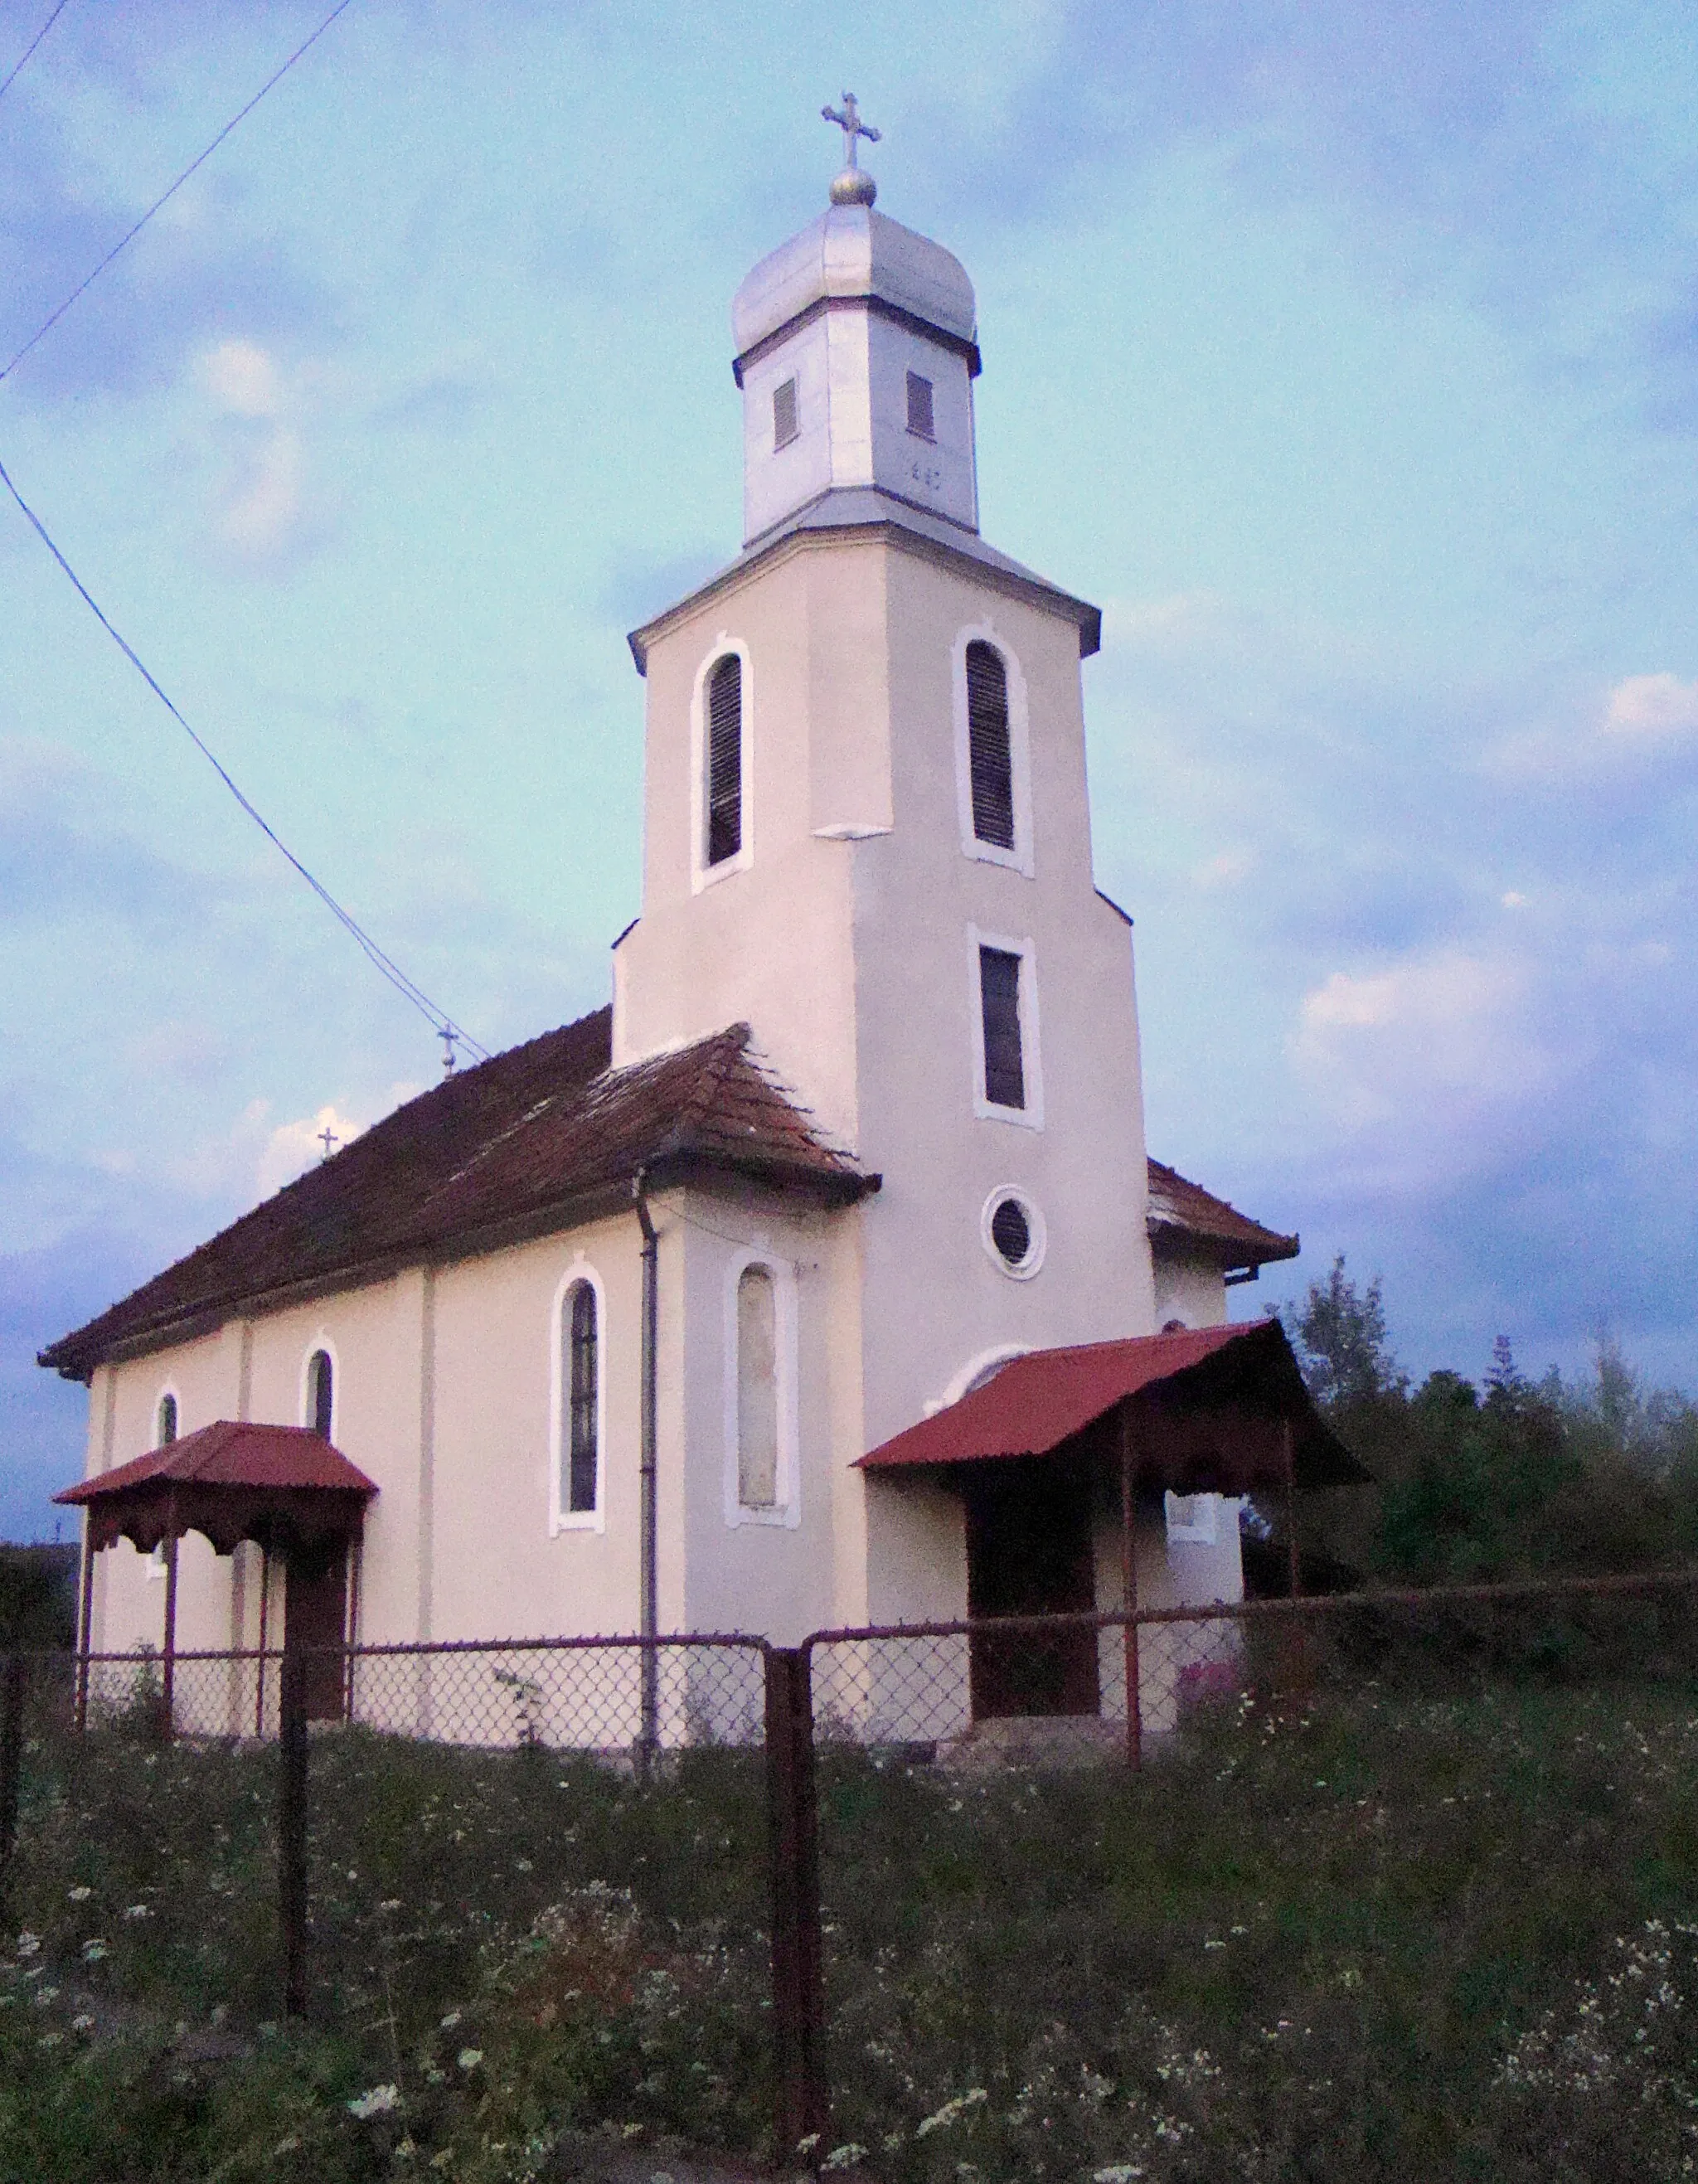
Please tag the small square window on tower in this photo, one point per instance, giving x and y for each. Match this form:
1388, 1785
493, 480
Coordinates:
919, 407
784, 425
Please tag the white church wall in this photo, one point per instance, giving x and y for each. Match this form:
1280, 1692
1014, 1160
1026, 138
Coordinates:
1189, 1289
935, 1297
766, 1570
1179, 1664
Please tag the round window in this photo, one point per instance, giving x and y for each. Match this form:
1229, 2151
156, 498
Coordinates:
1012, 1230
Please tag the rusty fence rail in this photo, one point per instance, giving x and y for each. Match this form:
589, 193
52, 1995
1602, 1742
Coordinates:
1028, 1690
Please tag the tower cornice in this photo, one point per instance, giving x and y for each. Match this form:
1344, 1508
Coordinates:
858, 515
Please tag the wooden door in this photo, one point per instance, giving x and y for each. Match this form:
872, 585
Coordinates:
316, 1615
1029, 1553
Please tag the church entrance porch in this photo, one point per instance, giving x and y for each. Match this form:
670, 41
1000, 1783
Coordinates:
1029, 1552
285, 1488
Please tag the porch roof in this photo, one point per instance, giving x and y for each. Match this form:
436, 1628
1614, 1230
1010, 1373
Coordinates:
283, 1485
1207, 1407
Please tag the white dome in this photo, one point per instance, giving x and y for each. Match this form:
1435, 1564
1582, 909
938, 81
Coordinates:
854, 251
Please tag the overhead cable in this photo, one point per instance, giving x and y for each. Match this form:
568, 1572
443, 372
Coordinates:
18, 66
124, 241
444, 1025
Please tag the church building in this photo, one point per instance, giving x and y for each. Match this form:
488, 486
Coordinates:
748, 1303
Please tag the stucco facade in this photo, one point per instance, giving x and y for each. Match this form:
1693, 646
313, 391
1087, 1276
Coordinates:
847, 930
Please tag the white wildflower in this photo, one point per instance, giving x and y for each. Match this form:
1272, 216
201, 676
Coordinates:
470, 2058
378, 2101
78, 1894
136, 1911
951, 2111
847, 2156
28, 1944
93, 1950
82, 2022
451, 2021
1117, 2172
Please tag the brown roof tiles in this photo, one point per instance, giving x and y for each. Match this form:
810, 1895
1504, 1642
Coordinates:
1185, 1213
529, 1141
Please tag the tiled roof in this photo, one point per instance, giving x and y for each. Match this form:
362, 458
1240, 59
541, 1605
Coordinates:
1181, 1210
229, 1454
524, 1143
1246, 1375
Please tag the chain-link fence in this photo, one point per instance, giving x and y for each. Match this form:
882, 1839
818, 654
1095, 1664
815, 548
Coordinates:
883, 1859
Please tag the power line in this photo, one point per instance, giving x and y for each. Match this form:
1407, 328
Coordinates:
124, 242
444, 1025
18, 68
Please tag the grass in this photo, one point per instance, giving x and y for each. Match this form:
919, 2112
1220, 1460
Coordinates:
1374, 1934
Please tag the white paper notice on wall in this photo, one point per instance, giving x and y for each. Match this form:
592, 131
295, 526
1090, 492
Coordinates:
1193, 1517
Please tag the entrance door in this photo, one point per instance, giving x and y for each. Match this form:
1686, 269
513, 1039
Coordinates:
1029, 1553
315, 1614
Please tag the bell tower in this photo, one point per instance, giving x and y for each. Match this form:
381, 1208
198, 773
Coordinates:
867, 829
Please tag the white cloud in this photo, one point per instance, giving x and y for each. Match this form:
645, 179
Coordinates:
242, 379
1652, 707
294, 1147
1228, 868
261, 505
1421, 1045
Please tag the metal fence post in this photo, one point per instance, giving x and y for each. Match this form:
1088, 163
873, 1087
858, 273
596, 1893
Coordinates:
12, 1672
292, 1830
798, 2010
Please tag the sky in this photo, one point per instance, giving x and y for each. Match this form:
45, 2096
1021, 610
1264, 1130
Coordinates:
1347, 354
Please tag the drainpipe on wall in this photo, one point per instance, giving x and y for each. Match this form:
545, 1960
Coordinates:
649, 1605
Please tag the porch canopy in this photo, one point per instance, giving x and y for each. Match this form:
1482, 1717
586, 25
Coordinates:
1218, 1409
283, 1486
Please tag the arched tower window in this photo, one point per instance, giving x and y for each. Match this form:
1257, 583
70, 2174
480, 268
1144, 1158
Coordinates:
581, 1377
989, 755
725, 758
165, 1425
757, 1389
320, 1393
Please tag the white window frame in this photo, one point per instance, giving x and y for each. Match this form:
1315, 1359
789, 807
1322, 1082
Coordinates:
1030, 1116
560, 1517
319, 1341
1193, 1520
702, 873
786, 1511
1019, 858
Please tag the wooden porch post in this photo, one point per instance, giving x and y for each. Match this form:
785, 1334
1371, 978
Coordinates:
1128, 1578
85, 1618
168, 1677
1293, 1559
265, 1622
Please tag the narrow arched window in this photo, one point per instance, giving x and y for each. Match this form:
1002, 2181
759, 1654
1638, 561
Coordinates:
989, 755
166, 1427
725, 760
320, 1392
757, 1389
582, 1377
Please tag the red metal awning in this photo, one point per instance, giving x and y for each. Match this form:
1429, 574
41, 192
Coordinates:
280, 1484
1209, 1406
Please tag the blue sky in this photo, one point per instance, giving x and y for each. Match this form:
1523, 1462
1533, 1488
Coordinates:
1347, 354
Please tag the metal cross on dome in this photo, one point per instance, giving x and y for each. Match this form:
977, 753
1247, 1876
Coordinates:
848, 118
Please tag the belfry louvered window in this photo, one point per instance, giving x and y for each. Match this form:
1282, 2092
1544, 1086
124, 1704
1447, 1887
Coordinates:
725, 760
583, 1398
1005, 1073
785, 427
989, 755
919, 407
